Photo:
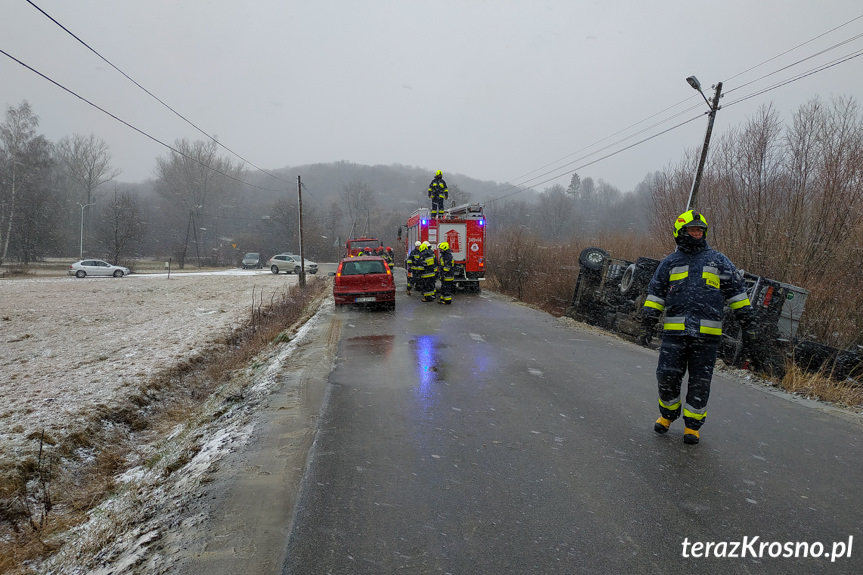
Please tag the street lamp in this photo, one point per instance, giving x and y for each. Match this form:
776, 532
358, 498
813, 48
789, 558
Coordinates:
81, 246
714, 107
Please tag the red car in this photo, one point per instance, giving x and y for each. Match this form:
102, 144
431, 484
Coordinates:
365, 280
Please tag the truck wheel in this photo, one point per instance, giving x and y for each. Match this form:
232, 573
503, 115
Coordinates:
629, 282
592, 258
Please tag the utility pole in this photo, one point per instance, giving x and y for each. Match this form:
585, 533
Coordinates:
714, 107
300, 206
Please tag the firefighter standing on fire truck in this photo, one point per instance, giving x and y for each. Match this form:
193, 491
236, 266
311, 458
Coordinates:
691, 286
438, 193
446, 273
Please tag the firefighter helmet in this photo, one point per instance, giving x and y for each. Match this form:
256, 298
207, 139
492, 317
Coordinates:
690, 219
417, 244
423, 247
367, 250
389, 249
443, 246
438, 174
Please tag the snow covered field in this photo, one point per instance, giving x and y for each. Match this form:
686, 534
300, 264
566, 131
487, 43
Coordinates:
68, 344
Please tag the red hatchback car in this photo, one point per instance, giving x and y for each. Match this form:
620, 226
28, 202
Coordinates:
365, 280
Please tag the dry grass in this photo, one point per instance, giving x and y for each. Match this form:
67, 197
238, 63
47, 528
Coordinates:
822, 385
45, 493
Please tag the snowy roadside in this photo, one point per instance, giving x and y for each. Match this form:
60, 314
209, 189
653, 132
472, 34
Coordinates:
153, 522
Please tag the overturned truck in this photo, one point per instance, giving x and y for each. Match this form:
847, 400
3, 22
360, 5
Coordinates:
610, 293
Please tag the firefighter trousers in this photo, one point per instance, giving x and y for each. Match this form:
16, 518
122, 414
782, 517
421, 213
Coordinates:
437, 207
679, 354
427, 286
446, 290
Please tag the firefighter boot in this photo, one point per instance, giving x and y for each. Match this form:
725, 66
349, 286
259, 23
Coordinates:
662, 424
409, 289
690, 436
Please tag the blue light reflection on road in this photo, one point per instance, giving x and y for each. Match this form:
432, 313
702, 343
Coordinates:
426, 349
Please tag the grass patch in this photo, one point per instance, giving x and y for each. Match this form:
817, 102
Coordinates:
821, 385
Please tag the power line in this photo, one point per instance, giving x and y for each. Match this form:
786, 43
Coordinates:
154, 96
795, 47
561, 170
125, 123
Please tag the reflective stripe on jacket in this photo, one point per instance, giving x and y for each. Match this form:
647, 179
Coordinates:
429, 265
438, 189
693, 289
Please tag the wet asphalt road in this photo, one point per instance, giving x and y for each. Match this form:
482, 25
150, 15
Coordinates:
486, 437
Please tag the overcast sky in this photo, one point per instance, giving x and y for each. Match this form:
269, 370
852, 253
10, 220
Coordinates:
508, 91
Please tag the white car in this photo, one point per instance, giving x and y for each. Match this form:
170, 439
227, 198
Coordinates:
84, 268
290, 263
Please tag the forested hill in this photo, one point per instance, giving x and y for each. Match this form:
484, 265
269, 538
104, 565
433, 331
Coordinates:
393, 186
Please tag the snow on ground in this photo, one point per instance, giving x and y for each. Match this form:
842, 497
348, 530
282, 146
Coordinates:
68, 344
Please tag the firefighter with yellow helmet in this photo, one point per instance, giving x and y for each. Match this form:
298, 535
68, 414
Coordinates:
446, 273
428, 261
414, 267
438, 192
690, 289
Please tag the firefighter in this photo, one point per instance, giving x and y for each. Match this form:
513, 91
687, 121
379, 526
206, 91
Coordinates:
388, 255
691, 286
414, 266
428, 263
437, 193
446, 272
367, 251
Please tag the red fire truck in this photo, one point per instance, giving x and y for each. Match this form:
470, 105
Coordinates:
463, 228
355, 246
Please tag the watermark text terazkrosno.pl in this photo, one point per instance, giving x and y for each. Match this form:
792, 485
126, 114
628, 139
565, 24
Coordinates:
754, 547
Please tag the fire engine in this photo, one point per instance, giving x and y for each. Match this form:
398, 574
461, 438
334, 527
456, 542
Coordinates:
355, 246
463, 228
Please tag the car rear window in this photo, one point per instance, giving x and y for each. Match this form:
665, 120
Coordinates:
362, 268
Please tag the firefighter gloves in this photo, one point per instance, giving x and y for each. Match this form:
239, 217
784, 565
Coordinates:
645, 334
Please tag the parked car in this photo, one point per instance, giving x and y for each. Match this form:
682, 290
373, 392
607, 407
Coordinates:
252, 261
290, 263
84, 268
365, 280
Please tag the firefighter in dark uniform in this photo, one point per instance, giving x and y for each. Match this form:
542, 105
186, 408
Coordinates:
429, 271
388, 256
691, 286
414, 266
446, 273
438, 193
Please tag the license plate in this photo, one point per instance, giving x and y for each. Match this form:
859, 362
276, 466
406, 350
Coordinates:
365, 299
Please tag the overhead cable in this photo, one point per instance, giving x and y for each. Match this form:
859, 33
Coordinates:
220, 144
125, 123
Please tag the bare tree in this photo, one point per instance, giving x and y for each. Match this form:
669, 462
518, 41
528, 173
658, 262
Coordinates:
85, 162
554, 213
191, 180
358, 200
119, 226
24, 161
